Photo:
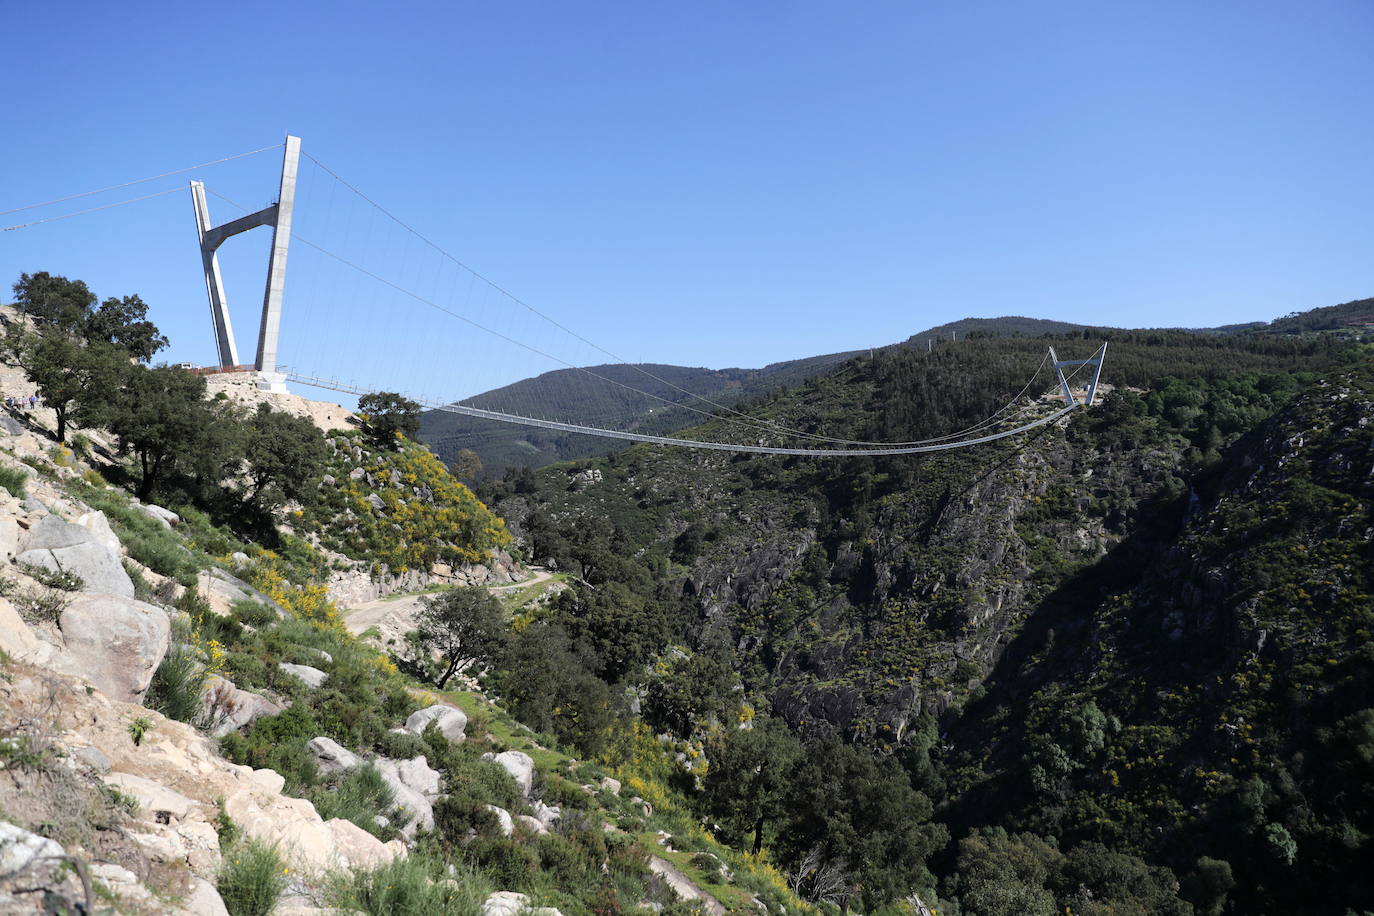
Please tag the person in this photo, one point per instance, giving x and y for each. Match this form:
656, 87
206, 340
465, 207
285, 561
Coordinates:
33, 401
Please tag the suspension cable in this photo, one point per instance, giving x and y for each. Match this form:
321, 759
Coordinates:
53, 219
116, 187
522, 303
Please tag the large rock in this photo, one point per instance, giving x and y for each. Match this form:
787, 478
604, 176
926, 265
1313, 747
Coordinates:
99, 527
18, 641
9, 538
357, 847
415, 773
332, 757
505, 903
518, 765
221, 589
291, 823
156, 801
547, 815
451, 721
313, 677
227, 708
60, 546
419, 812
21, 850
115, 643
203, 900
166, 516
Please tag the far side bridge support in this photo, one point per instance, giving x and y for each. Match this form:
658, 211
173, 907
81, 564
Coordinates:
1091, 389
278, 216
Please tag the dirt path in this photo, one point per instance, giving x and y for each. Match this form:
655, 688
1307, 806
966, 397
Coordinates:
394, 616
540, 575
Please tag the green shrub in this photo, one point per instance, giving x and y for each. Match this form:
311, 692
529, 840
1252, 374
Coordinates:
252, 613
457, 814
251, 879
409, 886
357, 795
143, 591
13, 479
42, 603
402, 747
163, 554
507, 863
177, 684
64, 581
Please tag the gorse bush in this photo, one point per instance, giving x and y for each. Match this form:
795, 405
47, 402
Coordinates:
252, 879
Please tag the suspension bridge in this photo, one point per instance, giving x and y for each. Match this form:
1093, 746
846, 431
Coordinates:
373, 299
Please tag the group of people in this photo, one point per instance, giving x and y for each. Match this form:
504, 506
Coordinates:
21, 402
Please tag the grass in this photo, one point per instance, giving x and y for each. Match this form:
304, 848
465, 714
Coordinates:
359, 796
177, 684
409, 886
252, 879
517, 598
14, 480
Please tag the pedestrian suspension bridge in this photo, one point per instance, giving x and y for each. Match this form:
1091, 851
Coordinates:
374, 305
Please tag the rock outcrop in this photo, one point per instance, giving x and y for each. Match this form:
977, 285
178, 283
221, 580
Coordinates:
449, 720
518, 765
65, 547
115, 643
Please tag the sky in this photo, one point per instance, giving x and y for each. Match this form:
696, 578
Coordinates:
717, 184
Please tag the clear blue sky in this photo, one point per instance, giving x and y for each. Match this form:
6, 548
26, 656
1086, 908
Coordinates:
728, 183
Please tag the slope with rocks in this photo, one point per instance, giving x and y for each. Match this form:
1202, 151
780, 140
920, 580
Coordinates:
186, 727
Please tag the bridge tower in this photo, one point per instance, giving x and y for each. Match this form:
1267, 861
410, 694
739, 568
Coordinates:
278, 216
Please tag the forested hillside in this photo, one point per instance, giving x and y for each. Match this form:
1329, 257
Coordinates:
649, 398
1089, 651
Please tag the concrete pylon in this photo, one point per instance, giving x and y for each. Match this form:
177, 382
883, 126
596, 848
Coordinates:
278, 216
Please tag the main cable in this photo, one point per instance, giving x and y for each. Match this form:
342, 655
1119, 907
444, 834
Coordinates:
53, 219
127, 184
522, 303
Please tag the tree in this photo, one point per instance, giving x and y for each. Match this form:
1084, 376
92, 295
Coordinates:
124, 323
75, 380
861, 811
285, 457
750, 775
618, 629
49, 299
162, 417
386, 415
466, 466
549, 688
464, 626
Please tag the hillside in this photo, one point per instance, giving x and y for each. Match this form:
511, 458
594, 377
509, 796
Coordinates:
662, 408
890, 601
187, 727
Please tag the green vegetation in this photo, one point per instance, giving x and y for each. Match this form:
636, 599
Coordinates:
876, 582
13, 480
252, 878
410, 886
388, 417
399, 509
463, 627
